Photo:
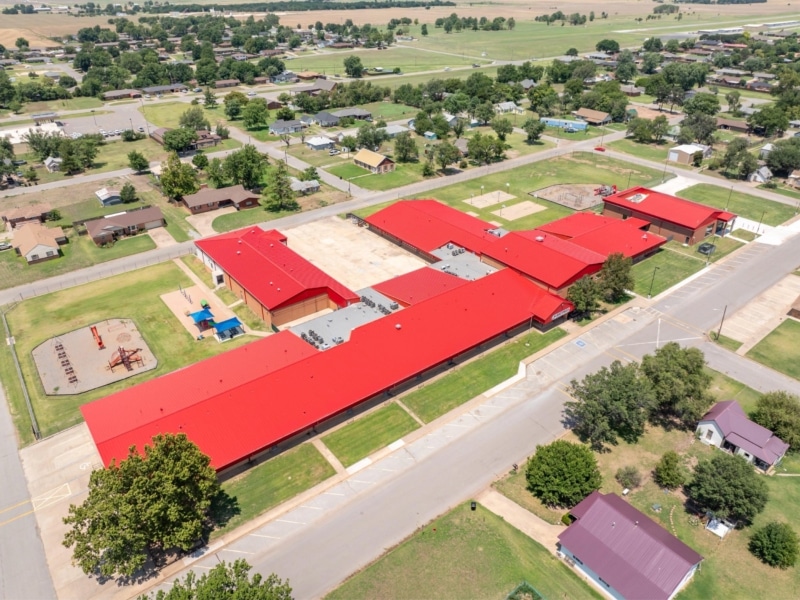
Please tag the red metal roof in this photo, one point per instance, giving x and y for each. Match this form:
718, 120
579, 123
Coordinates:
565, 247
664, 207
419, 285
578, 223
273, 273
626, 549
230, 423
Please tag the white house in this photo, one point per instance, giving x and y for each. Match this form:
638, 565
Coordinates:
684, 154
319, 142
760, 175
108, 197
726, 426
304, 187
763, 153
52, 164
507, 107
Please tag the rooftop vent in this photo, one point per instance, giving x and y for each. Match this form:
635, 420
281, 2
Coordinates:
539, 238
636, 198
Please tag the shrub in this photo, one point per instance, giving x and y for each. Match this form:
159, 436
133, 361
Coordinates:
566, 519
562, 473
669, 472
629, 477
775, 544
463, 164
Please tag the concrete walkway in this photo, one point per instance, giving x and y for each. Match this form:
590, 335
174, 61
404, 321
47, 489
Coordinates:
521, 518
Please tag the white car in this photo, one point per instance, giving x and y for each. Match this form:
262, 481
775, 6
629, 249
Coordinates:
251, 93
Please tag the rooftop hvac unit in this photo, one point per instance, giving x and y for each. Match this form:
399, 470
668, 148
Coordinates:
539, 238
636, 198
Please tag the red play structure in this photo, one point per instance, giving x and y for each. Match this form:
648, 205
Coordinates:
126, 358
98, 340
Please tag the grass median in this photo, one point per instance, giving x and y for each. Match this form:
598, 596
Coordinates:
463, 383
369, 433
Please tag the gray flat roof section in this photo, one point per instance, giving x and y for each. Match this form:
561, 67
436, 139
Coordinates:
337, 325
465, 265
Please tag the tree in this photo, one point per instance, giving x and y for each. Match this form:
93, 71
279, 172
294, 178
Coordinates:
180, 139
562, 473
609, 46
255, 113
309, 174
484, 113
278, 192
669, 472
405, 148
610, 403
628, 477
534, 129
641, 130
137, 161
769, 121
615, 277
177, 179
780, 413
698, 127
215, 172
353, 67
128, 193
209, 98
446, 154
31, 175
776, 544
233, 109
195, 119
160, 498
502, 127
705, 103
424, 30
200, 160
370, 136
728, 486
246, 166
585, 295
734, 102
226, 581
680, 382
626, 66
21, 43
349, 142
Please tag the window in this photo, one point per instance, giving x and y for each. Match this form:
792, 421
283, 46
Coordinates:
603, 582
709, 434
50, 253
34, 257
577, 560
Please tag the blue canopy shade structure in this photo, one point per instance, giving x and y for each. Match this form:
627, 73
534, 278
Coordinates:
202, 315
227, 325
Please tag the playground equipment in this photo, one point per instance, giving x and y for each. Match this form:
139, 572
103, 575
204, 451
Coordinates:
97, 338
605, 190
126, 358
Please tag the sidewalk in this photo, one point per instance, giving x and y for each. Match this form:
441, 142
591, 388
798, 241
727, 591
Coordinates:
524, 520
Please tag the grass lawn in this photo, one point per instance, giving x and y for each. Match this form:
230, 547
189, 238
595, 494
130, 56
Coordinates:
673, 267
389, 111
227, 296
369, 433
575, 136
134, 296
464, 554
654, 152
245, 218
61, 105
197, 267
394, 81
464, 382
168, 114
780, 349
274, 481
318, 158
783, 190
743, 234
515, 486
80, 252
724, 246
726, 342
249, 318
114, 155
404, 174
749, 207
727, 388
581, 167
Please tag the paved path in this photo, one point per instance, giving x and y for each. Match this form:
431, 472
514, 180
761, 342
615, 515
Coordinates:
521, 518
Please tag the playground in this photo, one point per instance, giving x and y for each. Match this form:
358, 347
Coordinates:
577, 196
202, 314
92, 357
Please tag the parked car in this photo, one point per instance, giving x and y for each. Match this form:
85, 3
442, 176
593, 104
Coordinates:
251, 94
18, 163
333, 152
141, 129
147, 96
5, 246
198, 90
706, 248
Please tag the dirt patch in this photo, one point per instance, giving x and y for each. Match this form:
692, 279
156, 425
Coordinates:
577, 196
648, 113
78, 192
489, 198
519, 210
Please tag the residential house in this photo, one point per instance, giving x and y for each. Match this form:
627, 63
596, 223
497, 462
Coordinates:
52, 164
374, 162
794, 178
726, 426
108, 229
507, 107
36, 243
304, 188
632, 91
593, 117
684, 154
280, 127
732, 125
318, 86
756, 85
309, 75
624, 552
392, 131
206, 139
108, 197
121, 94
226, 83
527, 84
27, 214
164, 89
319, 142
763, 153
285, 77
463, 146
354, 113
207, 199
760, 175
326, 119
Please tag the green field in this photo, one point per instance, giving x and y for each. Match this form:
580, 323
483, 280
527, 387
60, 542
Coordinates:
369, 433
440, 396
724, 246
672, 267
78, 253
745, 205
464, 554
404, 174
407, 59
726, 388
726, 342
780, 349
654, 152
62, 105
134, 296
389, 111
168, 114
268, 484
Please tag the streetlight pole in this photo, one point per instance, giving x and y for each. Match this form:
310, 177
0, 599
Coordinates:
94, 117
729, 198
664, 174
759, 222
652, 281
719, 331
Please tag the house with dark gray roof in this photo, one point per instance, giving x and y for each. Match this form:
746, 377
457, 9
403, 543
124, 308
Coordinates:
326, 119
726, 426
624, 552
356, 113
280, 127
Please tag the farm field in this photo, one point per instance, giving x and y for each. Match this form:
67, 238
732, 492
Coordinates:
134, 296
464, 554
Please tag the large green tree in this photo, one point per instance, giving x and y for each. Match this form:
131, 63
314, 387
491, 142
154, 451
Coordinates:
180, 139
562, 473
680, 382
502, 127
585, 295
226, 581
405, 148
137, 161
177, 179
278, 193
446, 154
255, 114
353, 66
194, 118
533, 129
780, 413
157, 499
611, 403
246, 166
669, 472
776, 544
728, 486
615, 277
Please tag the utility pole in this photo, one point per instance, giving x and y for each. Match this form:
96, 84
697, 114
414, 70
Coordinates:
724, 310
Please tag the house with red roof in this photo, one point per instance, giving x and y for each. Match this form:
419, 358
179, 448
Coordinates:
726, 426
624, 552
275, 282
674, 218
243, 402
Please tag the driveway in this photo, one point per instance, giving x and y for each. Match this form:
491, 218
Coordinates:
202, 222
161, 237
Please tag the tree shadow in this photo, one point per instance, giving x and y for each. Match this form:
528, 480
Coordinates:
223, 508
